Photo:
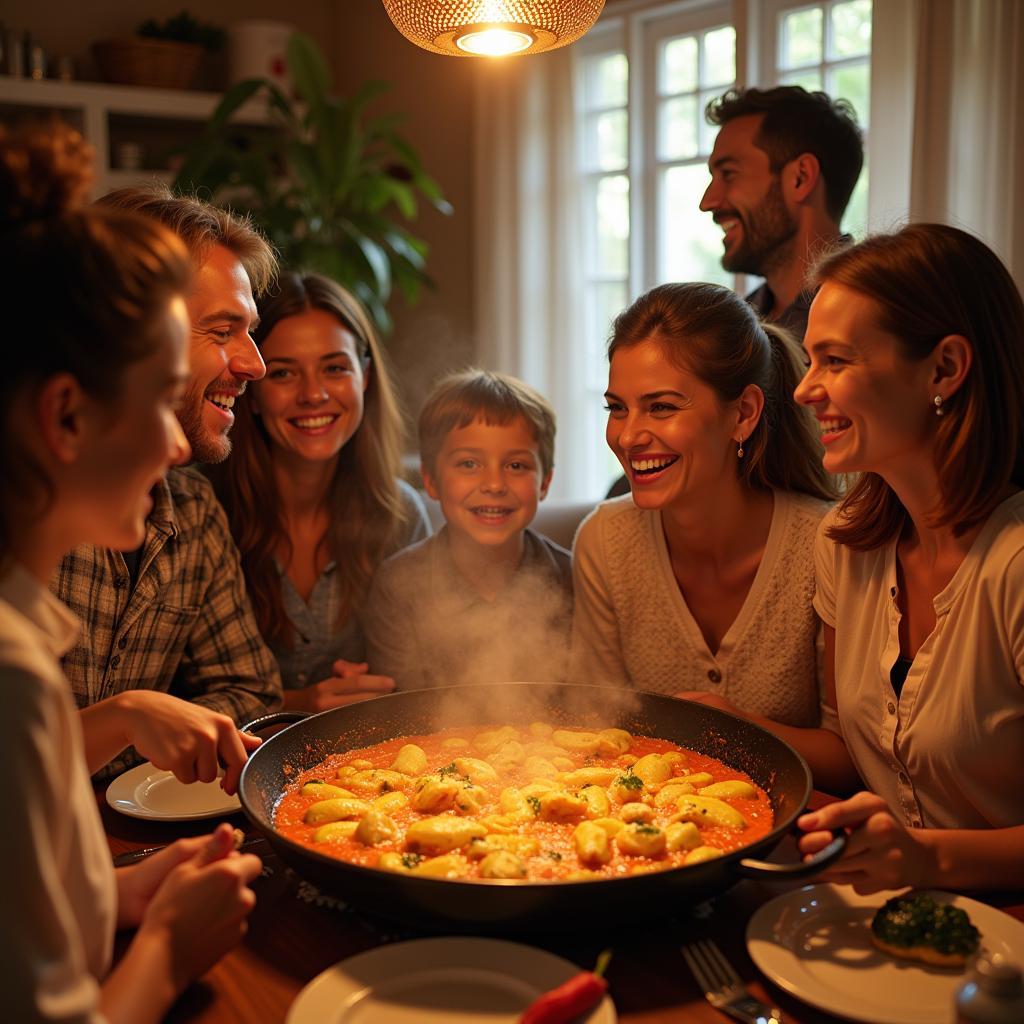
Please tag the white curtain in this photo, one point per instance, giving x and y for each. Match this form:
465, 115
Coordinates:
528, 238
947, 133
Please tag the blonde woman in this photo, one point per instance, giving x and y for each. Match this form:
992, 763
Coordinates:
312, 489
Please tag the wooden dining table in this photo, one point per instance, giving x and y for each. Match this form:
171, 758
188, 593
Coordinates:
295, 933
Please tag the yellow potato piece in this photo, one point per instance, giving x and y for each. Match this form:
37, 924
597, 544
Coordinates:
653, 768
702, 853
598, 804
590, 776
563, 764
613, 742
515, 805
540, 766
561, 806
454, 743
337, 809
671, 792
592, 843
522, 846
335, 830
391, 862
470, 799
411, 760
541, 730
641, 840
503, 824
636, 811
449, 866
375, 827
360, 763
433, 795
325, 791
708, 810
390, 802
489, 741
442, 834
682, 835
502, 864
373, 782
698, 779
732, 788
626, 788
675, 757
576, 742
476, 770
611, 825
508, 755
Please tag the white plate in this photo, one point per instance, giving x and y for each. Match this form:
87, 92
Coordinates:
437, 981
814, 944
147, 792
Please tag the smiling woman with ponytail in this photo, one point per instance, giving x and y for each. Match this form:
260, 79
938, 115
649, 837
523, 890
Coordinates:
702, 580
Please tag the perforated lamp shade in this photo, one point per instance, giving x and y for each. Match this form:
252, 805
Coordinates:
466, 28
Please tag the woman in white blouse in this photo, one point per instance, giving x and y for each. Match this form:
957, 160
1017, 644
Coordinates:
916, 346
702, 579
95, 361
916, 377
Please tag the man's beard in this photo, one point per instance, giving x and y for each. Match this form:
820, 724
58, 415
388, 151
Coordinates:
766, 230
206, 448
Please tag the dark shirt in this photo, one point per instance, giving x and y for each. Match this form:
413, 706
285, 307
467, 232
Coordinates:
793, 317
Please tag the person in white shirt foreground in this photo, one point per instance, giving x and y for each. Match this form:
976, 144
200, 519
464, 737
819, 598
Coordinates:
96, 360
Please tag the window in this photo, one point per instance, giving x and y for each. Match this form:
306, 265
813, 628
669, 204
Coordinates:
643, 78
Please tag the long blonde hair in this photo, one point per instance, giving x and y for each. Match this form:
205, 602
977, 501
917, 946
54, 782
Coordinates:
366, 509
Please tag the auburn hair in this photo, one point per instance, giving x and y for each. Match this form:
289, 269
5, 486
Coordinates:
366, 508
928, 281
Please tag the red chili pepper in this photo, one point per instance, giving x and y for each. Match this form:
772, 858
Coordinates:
571, 998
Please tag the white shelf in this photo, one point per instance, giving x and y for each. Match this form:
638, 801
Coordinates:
92, 105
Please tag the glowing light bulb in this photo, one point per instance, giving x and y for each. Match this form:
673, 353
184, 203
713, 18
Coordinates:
494, 42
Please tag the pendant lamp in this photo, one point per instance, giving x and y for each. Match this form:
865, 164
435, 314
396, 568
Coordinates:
492, 28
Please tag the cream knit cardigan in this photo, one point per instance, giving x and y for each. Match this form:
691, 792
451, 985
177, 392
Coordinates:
632, 627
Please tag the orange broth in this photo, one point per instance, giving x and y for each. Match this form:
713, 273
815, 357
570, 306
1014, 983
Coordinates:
556, 858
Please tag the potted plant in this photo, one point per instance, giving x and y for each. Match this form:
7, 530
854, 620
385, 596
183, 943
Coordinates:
329, 184
160, 55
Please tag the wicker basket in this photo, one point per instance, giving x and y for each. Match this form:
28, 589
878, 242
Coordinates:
157, 63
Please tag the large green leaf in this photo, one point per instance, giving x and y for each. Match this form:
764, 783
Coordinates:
307, 68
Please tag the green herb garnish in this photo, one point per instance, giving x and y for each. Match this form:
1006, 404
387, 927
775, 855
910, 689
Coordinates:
534, 802
630, 781
410, 860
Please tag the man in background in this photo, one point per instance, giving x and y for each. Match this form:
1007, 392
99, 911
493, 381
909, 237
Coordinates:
783, 168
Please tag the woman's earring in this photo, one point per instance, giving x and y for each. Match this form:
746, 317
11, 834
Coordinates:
739, 450
939, 411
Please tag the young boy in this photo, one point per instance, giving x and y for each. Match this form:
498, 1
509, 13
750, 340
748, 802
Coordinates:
487, 599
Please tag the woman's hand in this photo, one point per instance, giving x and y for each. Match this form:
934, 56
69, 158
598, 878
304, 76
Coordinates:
880, 852
199, 910
349, 685
176, 735
713, 700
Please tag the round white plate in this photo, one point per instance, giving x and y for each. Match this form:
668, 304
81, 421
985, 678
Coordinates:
147, 792
814, 944
437, 981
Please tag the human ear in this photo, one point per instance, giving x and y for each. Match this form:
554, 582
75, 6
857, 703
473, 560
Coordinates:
749, 407
428, 483
62, 411
953, 357
801, 176
545, 484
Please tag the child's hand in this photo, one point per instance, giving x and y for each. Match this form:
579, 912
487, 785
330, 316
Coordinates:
348, 685
880, 853
199, 910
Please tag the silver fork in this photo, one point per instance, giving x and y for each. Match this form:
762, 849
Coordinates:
723, 987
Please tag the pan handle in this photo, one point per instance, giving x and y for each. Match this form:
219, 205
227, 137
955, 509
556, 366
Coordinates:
275, 718
802, 869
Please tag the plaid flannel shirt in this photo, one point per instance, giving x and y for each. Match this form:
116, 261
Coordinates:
185, 628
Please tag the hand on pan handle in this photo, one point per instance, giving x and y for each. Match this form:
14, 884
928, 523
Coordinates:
349, 685
182, 737
880, 853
